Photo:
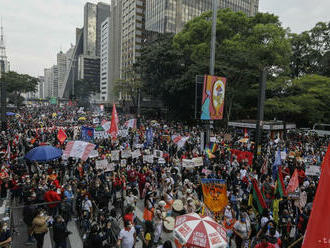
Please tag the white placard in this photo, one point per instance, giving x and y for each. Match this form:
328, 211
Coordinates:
101, 135
188, 163
158, 154
123, 133
283, 155
312, 170
148, 159
115, 155
101, 164
213, 139
198, 161
123, 163
94, 154
136, 154
126, 153
110, 167
161, 161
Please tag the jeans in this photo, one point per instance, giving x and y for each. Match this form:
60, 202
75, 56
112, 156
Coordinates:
40, 239
61, 244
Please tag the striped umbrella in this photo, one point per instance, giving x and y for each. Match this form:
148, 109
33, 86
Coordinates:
193, 230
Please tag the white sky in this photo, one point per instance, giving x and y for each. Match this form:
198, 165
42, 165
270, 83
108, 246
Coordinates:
35, 30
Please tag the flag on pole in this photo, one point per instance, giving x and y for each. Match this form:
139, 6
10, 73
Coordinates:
294, 182
257, 200
61, 136
114, 123
78, 149
179, 140
130, 123
209, 154
280, 183
318, 227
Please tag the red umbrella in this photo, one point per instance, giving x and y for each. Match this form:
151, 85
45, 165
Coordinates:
193, 230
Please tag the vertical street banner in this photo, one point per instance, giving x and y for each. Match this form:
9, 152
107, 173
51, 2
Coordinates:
215, 194
213, 97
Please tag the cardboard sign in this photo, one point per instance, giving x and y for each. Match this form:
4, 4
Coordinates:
188, 163
101, 164
123, 163
158, 154
126, 153
312, 170
136, 154
148, 159
115, 155
198, 161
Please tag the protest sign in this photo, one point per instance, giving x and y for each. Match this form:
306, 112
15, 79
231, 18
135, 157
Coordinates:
188, 163
115, 155
101, 135
126, 153
136, 154
161, 161
283, 155
198, 161
158, 154
94, 154
123, 163
148, 159
110, 167
312, 170
101, 164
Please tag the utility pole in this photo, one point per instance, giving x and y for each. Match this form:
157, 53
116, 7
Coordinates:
260, 115
212, 56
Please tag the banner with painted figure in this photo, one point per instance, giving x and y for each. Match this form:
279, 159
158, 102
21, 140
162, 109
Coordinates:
87, 134
215, 194
213, 98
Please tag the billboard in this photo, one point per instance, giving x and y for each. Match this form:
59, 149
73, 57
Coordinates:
213, 97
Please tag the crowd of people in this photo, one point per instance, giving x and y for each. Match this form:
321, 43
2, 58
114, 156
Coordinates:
104, 203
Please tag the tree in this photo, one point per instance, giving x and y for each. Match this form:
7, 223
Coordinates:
304, 100
16, 84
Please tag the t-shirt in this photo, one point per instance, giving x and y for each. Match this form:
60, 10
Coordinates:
242, 228
127, 237
87, 205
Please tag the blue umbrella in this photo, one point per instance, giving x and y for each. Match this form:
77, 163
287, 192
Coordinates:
10, 113
44, 153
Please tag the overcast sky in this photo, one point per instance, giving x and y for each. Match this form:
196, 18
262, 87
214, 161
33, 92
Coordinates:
36, 30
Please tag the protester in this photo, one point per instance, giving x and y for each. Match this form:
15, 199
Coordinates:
39, 227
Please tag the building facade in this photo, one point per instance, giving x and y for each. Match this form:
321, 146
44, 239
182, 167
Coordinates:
47, 82
132, 33
54, 81
62, 68
170, 16
104, 61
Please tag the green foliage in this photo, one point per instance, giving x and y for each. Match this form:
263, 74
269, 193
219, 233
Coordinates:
303, 100
20, 83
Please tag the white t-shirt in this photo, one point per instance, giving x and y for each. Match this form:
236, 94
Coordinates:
87, 205
127, 238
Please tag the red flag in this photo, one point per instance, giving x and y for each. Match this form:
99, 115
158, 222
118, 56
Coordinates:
318, 227
114, 123
61, 136
294, 182
246, 135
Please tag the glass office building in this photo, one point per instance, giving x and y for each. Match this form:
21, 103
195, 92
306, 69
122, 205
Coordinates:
169, 16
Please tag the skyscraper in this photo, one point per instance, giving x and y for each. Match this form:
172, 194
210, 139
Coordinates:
62, 68
132, 33
4, 63
169, 16
104, 61
47, 82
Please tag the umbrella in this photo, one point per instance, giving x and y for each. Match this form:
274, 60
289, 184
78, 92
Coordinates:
193, 230
44, 153
82, 119
10, 113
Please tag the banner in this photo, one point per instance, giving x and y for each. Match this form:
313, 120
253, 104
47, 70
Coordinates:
101, 164
123, 133
242, 155
136, 154
115, 155
215, 194
87, 133
213, 97
78, 149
